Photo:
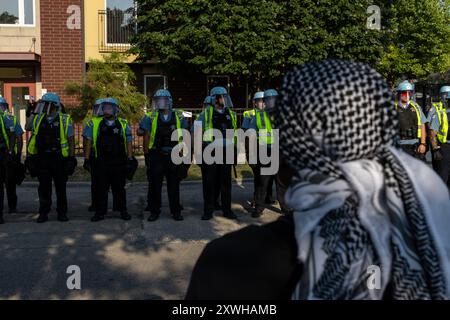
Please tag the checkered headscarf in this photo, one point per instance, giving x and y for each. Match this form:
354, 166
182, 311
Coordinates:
346, 105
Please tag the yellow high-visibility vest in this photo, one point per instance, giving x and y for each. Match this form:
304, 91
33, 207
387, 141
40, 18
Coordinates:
208, 116
264, 134
64, 121
441, 113
154, 115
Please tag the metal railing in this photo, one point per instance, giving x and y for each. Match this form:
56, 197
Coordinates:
115, 30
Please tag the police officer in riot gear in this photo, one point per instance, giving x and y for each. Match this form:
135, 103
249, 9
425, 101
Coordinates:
110, 143
248, 119
88, 163
51, 149
439, 117
15, 170
270, 100
411, 121
7, 145
219, 116
159, 125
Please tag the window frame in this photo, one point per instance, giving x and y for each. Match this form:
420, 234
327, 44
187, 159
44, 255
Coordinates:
21, 23
108, 44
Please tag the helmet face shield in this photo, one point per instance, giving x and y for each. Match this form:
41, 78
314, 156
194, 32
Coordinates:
405, 96
96, 110
108, 110
162, 103
270, 103
223, 100
4, 107
259, 103
48, 108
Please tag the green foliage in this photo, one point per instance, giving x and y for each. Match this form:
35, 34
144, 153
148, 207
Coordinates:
417, 40
109, 78
264, 38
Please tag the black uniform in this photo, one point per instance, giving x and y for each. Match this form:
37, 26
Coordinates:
51, 168
160, 166
261, 185
217, 177
109, 167
11, 192
408, 130
442, 167
3, 170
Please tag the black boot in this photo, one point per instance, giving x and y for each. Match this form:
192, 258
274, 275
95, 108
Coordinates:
62, 217
177, 217
97, 217
153, 216
91, 208
125, 216
147, 208
230, 215
43, 217
2, 221
257, 213
207, 216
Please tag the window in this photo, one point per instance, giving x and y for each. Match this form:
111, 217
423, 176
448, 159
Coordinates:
120, 21
17, 12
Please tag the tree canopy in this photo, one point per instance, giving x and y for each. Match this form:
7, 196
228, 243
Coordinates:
264, 38
109, 78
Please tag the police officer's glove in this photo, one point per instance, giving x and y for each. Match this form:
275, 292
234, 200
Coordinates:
132, 165
87, 165
70, 165
147, 160
437, 155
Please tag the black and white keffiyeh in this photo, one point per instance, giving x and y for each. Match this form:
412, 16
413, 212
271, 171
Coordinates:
359, 202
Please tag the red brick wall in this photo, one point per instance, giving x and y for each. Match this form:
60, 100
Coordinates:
62, 49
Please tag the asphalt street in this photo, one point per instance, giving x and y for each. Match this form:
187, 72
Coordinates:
118, 260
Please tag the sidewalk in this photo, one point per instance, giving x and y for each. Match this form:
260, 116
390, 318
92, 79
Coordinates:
118, 260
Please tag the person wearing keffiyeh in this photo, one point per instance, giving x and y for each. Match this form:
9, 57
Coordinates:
358, 202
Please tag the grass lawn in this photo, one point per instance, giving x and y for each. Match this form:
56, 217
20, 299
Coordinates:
243, 172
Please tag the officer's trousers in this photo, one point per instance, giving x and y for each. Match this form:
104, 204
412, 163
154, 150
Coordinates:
161, 166
110, 175
261, 184
216, 178
3, 172
51, 169
281, 192
94, 189
442, 168
11, 193
216, 191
